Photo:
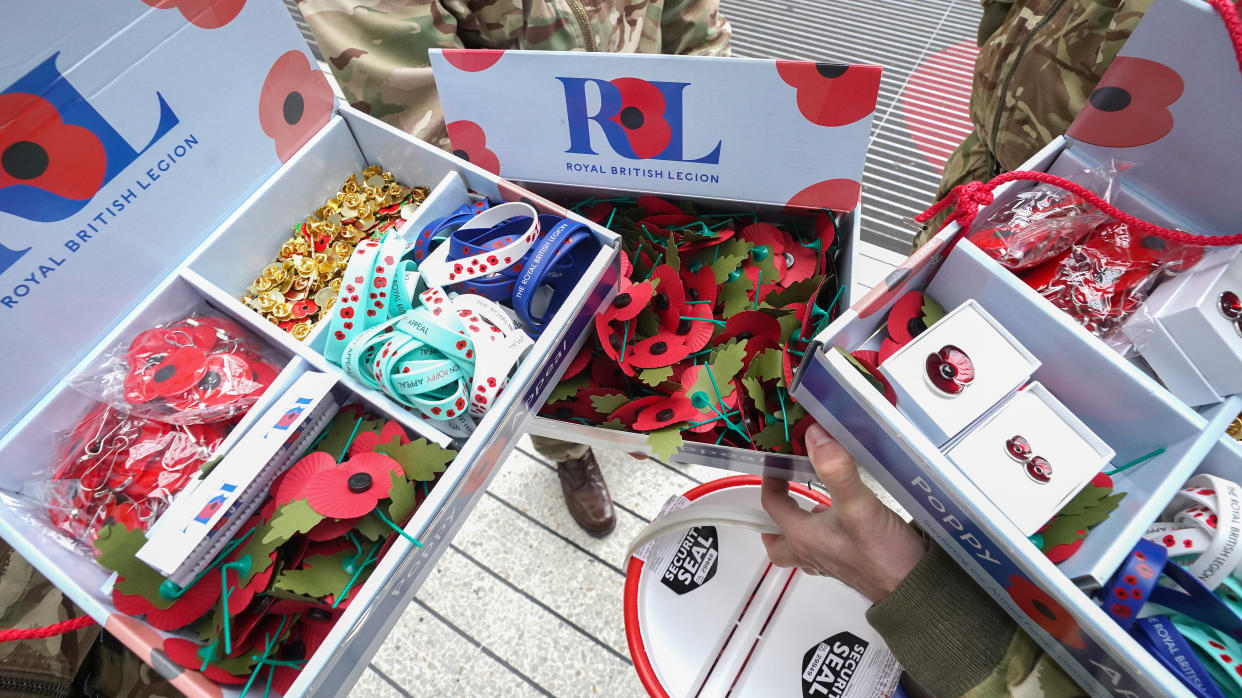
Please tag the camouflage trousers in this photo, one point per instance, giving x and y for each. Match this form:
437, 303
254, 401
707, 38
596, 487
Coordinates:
84, 662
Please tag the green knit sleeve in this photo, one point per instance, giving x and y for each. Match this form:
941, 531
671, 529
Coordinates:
952, 639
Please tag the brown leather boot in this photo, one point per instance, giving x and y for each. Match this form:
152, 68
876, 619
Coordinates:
586, 494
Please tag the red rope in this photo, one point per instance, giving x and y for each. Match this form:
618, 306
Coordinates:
966, 199
60, 628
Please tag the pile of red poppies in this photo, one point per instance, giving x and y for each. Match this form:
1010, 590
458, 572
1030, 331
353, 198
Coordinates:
267, 601
713, 313
1096, 269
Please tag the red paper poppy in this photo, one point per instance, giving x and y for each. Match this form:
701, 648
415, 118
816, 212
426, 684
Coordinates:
701, 285
825, 231
295, 103
604, 374
470, 144
571, 408
599, 211
950, 370
354, 488
628, 412
763, 284
694, 333
654, 205
332, 529
831, 194
658, 225
642, 117
292, 485
831, 94
240, 595
750, 324
204, 14
1060, 553
801, 263
631, 299
472, 60
38, 149
669, 297
655, 352
906, 320
610, 338
670, 410
578, 363
797, 435
1045, 611
887, 348
1130, 105
189, 607
864, 361
727, 396
186, 654
366, 441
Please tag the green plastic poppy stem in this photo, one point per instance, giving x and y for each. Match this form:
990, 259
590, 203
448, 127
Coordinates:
426, 490
584, 202
609, 223
656, 263
397, 528
696, 302
269, 645
171, 591
365, 563
210, 650
624, 340
349, 443
720, 398
713, 419
780, 395
758, 285
796, 352
703, 319
1136, 461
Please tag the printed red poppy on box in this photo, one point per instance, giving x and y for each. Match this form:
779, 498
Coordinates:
204, 14
642, 117
296, 101
1130, 105
831, 94
1045, 611
473, 60
470, 144
831, 194
38, 149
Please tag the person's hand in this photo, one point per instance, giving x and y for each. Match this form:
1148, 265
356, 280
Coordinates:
858, 540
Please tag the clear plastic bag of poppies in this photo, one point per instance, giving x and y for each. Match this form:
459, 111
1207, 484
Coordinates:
1107, 275
1040, 224
114, 467
197, 368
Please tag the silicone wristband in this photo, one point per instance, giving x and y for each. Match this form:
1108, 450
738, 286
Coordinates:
1223, 651
441, 228
1163, 639
567, 240
1223, 499
1131, 586
443, 267
344, 323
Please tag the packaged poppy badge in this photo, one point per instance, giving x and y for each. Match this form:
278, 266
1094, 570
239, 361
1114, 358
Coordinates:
1190, 332
955, 371
1030, 456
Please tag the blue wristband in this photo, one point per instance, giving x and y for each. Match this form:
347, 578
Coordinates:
568, 243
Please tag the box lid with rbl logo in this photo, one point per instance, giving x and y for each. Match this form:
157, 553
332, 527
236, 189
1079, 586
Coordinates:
771, 132
110, 174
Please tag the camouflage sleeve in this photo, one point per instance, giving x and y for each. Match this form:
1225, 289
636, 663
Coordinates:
28, 600
378, 52
994, 14
694, 28
954, 640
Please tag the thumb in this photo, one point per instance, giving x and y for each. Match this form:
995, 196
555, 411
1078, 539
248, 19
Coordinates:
835, 468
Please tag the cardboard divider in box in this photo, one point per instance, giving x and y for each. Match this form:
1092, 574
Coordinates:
192, 222
609, 125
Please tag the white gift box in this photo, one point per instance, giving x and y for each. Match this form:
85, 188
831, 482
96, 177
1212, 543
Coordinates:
1004, 470
999, 362
190, 215
1206, 346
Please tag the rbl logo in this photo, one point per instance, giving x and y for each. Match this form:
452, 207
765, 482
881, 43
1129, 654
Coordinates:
56, 150
641, 119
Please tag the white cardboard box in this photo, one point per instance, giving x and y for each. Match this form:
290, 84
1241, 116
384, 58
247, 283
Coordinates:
1053, 433
1000, 363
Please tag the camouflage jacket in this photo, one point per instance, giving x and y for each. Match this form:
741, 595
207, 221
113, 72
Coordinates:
378, 48
1038, 62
